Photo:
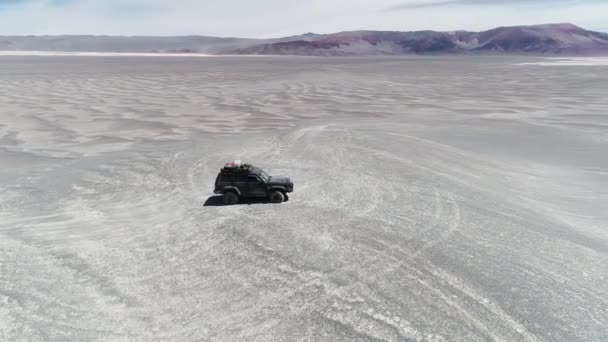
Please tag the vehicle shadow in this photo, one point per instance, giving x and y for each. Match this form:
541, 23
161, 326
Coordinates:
216, 201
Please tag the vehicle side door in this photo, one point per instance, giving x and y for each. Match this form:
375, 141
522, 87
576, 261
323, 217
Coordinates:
240, 182
256, 186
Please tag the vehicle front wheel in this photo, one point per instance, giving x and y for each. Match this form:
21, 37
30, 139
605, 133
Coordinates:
276, 197
230, 198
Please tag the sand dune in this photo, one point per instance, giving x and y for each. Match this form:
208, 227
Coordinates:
435, 199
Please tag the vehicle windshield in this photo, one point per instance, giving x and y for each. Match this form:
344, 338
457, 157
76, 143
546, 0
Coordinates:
265, 177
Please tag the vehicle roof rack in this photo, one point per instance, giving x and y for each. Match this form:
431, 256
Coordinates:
236, 166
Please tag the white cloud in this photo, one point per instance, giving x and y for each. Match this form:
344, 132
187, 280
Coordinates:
417, 4
272, 18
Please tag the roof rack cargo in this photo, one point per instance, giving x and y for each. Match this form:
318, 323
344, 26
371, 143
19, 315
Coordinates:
236, 166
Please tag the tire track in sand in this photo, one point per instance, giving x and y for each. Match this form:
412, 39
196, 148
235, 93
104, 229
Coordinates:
453, 225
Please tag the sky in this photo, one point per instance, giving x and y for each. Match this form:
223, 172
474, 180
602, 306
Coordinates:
278, 18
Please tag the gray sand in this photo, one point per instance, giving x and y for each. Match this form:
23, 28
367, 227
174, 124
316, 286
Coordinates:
435, 199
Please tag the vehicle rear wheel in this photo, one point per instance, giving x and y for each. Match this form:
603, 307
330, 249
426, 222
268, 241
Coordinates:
276, 197
230, 198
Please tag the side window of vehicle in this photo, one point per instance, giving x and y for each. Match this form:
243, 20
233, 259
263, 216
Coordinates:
253, 179
226, 178
241, 177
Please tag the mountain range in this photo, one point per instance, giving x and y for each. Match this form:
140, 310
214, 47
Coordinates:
547, 39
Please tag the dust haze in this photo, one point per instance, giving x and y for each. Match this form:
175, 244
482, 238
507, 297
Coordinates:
435, 199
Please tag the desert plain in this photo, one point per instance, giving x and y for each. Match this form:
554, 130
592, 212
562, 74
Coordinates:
436, 198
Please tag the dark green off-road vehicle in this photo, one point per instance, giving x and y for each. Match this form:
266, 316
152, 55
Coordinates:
237, 180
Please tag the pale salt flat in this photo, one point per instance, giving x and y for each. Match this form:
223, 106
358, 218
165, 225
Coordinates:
99, 54
570, 61
437, 199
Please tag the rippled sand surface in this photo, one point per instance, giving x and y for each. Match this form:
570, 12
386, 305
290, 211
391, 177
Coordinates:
435, 199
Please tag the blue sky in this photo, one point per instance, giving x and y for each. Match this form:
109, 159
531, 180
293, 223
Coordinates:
273, 18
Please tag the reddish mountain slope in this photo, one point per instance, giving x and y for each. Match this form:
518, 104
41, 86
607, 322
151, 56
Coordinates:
538, 39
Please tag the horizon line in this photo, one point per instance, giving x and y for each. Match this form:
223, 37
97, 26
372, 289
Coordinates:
605, 30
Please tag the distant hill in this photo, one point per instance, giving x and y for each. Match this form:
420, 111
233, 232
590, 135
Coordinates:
551, 39
199, 44
548, 39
